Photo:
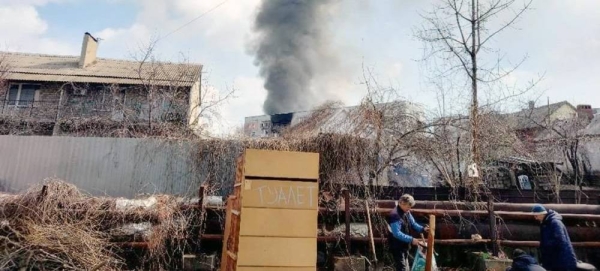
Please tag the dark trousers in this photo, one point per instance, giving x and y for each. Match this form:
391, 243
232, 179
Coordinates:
401, 260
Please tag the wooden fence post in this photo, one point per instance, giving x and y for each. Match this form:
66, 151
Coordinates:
430, 243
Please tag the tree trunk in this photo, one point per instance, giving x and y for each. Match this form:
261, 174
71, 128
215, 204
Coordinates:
474, 114
56, 128
475, 20
460, 177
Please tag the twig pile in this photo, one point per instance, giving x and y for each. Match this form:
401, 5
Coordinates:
39, 234
56, 227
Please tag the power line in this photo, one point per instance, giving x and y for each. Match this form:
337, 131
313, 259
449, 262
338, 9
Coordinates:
193, 20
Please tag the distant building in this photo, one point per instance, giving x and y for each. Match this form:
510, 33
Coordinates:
530, 121
342, 120
47, 91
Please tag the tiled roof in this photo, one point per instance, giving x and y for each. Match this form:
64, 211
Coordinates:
36, 67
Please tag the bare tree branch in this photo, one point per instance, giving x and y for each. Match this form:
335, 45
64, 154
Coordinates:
509, 23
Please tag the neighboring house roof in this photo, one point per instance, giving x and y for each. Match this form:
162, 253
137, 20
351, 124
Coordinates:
53, 68
533, 118
593, 129
523, 160
340, 120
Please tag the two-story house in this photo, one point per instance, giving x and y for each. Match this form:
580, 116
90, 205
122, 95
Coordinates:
86, 95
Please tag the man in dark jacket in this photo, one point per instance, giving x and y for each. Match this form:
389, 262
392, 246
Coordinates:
555, 245
400, 221
524, 262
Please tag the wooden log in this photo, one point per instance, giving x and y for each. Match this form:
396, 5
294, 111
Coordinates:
202, 215
371, 231
347, 236
511, 231
446, 242
527, 216
430, 242
493, 229
498, 206
379, 240
506, 215
509, 243
224, 254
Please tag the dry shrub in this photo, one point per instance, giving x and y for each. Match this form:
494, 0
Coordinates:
54, 226
168, 236
340, 155
39, 234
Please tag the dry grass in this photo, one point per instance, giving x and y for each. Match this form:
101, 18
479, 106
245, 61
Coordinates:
54, 226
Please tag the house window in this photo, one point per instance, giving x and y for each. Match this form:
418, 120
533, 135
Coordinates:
22, 94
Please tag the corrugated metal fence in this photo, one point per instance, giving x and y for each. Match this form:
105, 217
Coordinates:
101, 166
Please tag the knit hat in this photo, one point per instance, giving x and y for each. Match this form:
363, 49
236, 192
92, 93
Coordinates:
517, 252
539, 210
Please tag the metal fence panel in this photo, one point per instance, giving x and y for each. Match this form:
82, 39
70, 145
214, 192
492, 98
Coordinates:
122, 167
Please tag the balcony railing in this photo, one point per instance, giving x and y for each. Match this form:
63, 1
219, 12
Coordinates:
27, 109
47, 110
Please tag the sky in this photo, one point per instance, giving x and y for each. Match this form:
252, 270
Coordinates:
560, 40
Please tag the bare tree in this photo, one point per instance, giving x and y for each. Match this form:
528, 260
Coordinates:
562, 139
392, 124
459, 32
163, 88
160, 84
444, 146
389, 124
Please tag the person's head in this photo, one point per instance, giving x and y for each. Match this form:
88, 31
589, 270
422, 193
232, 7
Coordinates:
406, 202
539, 212
517, 253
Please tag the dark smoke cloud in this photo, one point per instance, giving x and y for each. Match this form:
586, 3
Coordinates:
291, 44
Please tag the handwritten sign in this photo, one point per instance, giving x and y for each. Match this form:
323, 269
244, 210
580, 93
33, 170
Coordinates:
280, 194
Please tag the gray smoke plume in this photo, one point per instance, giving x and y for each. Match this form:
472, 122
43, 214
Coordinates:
289, 49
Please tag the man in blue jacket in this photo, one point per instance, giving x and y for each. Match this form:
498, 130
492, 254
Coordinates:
555, 245
401, 221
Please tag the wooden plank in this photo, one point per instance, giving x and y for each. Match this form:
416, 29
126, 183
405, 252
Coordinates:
371, 231
224, 258
281, 222
234, 240
265, 268
430, 242
232, 222
277, 252
278, 164
280, 194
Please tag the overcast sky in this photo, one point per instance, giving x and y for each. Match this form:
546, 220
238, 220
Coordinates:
561, 39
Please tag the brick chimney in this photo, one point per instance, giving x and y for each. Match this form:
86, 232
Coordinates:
88, 50
531, 105
585, 110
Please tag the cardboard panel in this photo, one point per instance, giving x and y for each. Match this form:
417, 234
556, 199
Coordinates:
263, 268
277, 252
281, 222
280, 194
277, 164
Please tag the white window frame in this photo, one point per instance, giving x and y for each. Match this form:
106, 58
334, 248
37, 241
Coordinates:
19, 94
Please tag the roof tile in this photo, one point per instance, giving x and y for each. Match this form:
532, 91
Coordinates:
37, 67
